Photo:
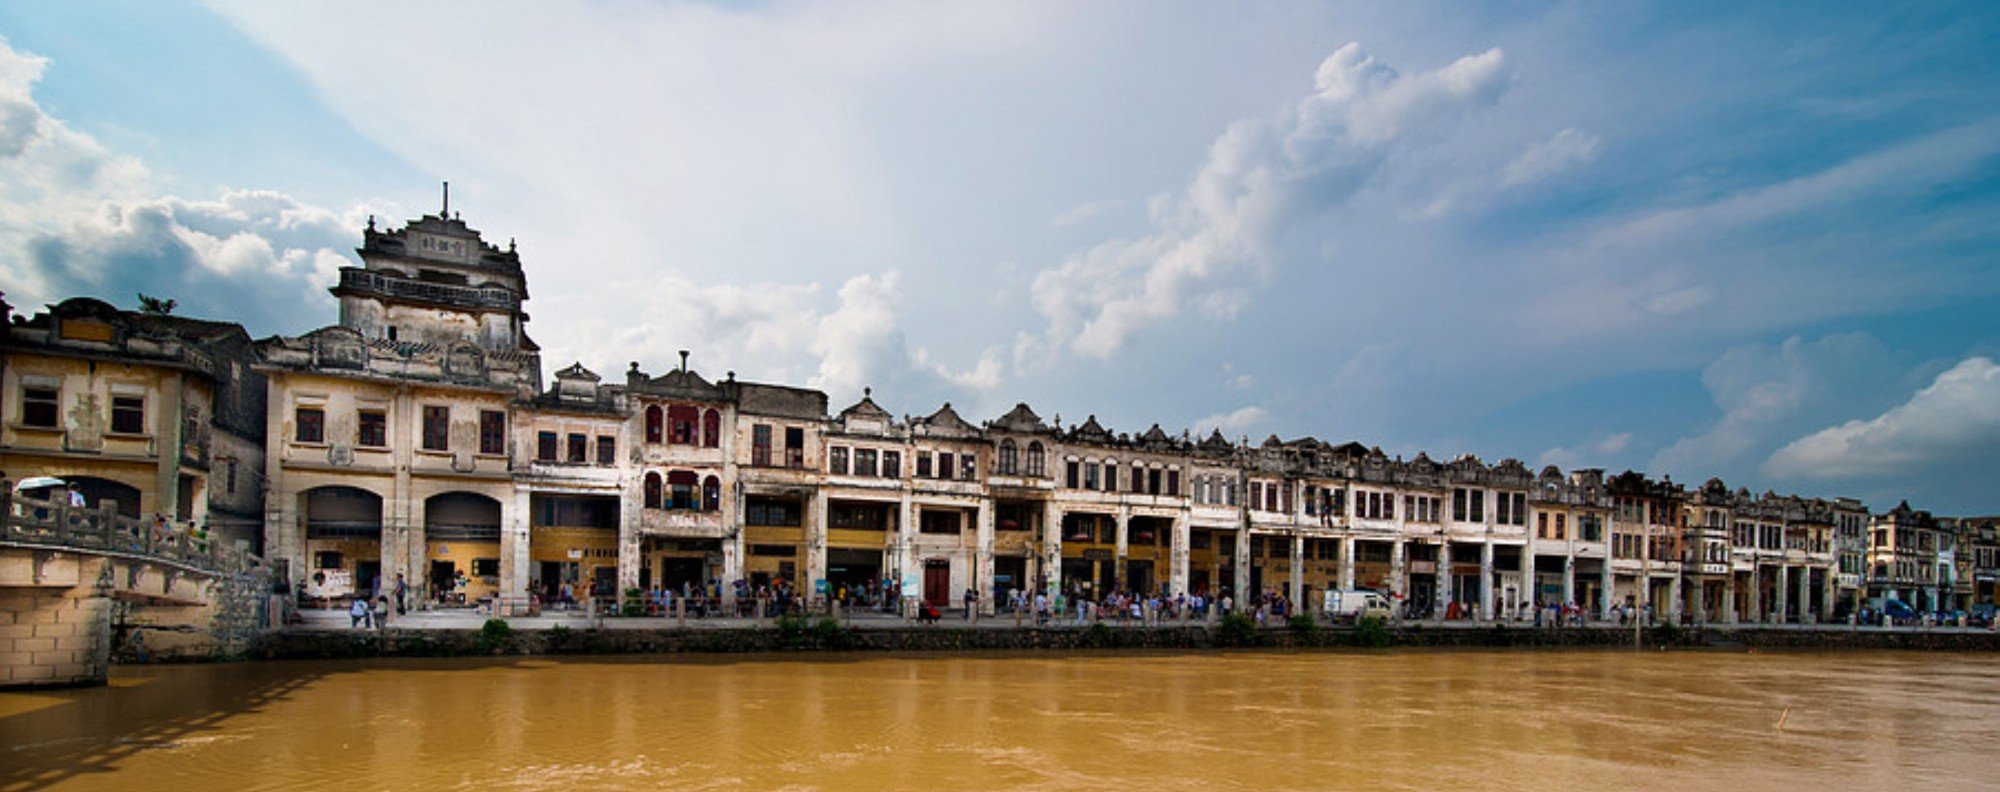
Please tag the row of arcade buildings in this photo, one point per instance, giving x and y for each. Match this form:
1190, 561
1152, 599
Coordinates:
416, 439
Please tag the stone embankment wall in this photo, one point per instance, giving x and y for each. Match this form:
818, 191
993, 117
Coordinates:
227, 625
447, 643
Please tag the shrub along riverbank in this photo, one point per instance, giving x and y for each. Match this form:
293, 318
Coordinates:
806, 635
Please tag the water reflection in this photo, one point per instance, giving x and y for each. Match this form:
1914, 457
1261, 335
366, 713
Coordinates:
1303, 721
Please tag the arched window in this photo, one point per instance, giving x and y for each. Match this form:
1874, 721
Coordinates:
652, 490
681, 484
711, 493
655, 422
1036, 461
1007, 453
681, 420
711, 429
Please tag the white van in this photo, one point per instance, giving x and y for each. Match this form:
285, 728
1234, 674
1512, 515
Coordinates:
1356, 604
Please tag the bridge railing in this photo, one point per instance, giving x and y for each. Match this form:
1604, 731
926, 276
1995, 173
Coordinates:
55, 522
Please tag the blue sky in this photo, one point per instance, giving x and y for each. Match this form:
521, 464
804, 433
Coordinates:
1692, 238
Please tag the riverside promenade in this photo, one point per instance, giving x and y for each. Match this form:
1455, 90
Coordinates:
328, 634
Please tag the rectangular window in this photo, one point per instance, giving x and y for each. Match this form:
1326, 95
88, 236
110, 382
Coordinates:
770, 511
437, 427
492, 432
545, 447
486, 567
836, 460
1503, 505
968, 467
128, 414
372, 429
924, 464
1521, 508
1091, 475
945, 460
607, 450
938, 522
1173, 483
1479, 505
579, 447
310, 423
795, 447
1542, 525
1458, 505
864, 461
892, 464
760, 444
1561, 529
38, 407
1070, 475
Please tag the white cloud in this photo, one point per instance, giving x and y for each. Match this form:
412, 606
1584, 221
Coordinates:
78, 218
1083, 213
1260, 177
1766, 391
1233, 422
1596, 453
1956, 417
1567, 149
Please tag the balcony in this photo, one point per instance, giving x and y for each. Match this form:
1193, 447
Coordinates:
363, 281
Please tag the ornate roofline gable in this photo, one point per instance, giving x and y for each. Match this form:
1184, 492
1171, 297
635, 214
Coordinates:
1091, 432
576, 371
866, 408
1022, 419
947, 423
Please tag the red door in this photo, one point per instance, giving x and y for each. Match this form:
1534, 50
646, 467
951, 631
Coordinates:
937, 584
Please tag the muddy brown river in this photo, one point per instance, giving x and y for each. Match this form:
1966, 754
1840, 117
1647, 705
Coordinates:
1402, 720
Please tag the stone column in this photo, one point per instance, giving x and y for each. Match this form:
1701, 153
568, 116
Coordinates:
1569, 578
515, 541
1118, 577
1729, 598
1178, 562
982, 560
1605, 602
1295, 590
1486, 580
815, 570
1676, 596
1756, 598
1347, 563
1399, 582
1052, 547
1805, 595
906, 561
1531, 582
1242, 584
630, 558
1444, 577
1783, 604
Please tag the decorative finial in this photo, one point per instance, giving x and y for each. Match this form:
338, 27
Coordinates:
867, 392
371, 222
510, 244
732, 375
446, 211
684, 360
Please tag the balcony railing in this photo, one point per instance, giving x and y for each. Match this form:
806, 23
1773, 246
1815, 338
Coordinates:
405, 288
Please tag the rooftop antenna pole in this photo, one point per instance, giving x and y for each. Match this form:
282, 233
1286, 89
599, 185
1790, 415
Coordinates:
446, 211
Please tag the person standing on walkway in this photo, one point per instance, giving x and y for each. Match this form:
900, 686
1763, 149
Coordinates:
402, 590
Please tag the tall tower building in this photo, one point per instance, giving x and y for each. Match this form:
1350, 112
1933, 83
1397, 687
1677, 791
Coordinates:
435, 281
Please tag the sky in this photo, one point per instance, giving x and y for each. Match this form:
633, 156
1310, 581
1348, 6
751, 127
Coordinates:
1759, 242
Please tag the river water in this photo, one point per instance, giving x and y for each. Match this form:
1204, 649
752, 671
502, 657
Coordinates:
1396, 720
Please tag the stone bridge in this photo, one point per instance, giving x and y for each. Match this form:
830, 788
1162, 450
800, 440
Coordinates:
78, 585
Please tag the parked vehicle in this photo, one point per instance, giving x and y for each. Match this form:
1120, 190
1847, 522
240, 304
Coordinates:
1352, 605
